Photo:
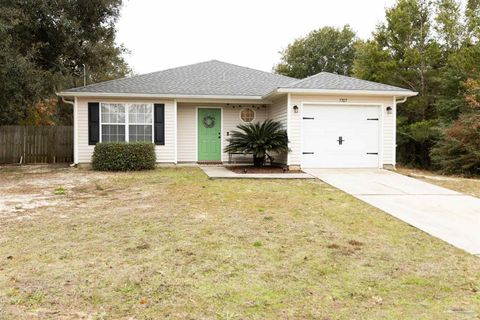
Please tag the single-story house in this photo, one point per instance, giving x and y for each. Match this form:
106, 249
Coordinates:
189, 112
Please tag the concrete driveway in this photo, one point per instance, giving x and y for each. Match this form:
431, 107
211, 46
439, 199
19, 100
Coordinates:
449, 215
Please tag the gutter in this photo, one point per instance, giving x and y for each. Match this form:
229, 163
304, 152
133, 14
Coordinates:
349, 92
150, 95
261, 99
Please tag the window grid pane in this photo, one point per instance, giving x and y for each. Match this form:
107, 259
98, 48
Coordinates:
113, 113
140, 133
113, 133
140, 113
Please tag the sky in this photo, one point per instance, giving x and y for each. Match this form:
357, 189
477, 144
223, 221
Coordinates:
163, 34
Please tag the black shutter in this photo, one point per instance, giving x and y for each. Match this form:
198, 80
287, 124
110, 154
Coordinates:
159, 123
93, 123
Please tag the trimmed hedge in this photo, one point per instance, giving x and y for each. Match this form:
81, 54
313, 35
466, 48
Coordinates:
123, 156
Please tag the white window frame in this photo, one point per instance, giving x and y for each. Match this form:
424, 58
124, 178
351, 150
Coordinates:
152, 123
127, 120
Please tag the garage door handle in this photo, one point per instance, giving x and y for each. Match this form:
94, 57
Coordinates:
308, 152
308, 118
372, 152
374, 119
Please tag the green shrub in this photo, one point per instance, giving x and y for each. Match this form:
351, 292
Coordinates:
458, 152
259, 139
123, 156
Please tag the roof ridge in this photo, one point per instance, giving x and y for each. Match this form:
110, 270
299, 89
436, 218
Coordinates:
304, 79
237, 65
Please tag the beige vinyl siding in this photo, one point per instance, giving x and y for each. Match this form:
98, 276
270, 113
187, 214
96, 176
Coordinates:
186, 133
387, 131
165, 153
187, 126
277, 111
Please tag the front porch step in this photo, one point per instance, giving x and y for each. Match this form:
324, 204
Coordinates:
210, 163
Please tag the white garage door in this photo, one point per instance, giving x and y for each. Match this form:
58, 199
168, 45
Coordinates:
340, 136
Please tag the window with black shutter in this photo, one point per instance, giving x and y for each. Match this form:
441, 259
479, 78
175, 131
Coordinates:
93, 123
159, 123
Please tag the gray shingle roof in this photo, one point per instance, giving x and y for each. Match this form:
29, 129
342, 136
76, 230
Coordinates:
205, 78
216, 78
326, 80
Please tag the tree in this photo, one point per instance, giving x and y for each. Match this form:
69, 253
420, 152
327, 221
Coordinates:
459, 149
460, 65
472, 14
327, 49
258, 139
448, 26
21, 82
404, 52
52, 40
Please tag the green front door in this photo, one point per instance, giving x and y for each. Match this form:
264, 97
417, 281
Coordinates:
209, 134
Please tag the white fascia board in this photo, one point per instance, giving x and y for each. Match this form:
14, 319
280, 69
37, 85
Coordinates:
231, 101
141, 95
349, 92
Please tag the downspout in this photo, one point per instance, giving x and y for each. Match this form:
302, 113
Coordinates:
396, 102
401, 100
68, 101
73, 104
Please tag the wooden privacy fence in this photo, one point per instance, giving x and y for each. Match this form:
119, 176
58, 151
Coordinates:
36, 144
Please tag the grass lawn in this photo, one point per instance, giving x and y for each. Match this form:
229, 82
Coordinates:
468, 186
172, 244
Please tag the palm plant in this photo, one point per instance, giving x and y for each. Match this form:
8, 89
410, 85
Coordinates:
258, 139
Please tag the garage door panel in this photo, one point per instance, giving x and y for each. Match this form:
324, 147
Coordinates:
340, 136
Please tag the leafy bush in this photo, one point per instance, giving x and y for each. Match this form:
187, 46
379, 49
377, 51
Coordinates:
459, 149
124, 156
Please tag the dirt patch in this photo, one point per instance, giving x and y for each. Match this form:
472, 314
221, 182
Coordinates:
263, 170
24, 188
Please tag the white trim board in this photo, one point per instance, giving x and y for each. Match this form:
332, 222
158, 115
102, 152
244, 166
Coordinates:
346, 92
75, 131
394, 111
158, 95
289, 102
175, 129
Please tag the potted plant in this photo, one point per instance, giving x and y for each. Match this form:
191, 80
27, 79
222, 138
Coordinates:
258, 139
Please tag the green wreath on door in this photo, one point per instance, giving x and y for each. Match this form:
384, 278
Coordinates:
209, 121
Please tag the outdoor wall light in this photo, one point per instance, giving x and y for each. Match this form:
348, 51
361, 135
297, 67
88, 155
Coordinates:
295, 109
389, 110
